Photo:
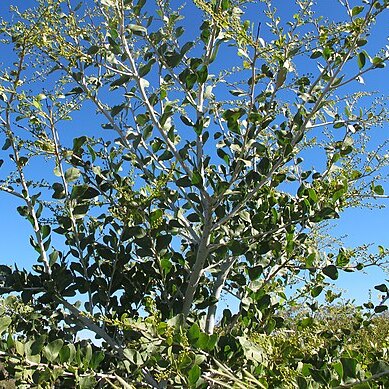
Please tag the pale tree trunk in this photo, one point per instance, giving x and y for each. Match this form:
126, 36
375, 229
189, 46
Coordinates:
201, 257
217, 290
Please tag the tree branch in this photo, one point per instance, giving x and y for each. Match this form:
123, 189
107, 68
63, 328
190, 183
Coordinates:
145, 99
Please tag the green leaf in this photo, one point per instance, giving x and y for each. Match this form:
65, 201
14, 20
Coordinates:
156, 215
51, 351
142, 119
86, 382
166, 155
202, 341
306, 322
88, 356
137, 29
78, 143
382, 288
379, 190
138, 7
197, 180
166, 265
302, 383
120, 81
338, 194
251, 350
321, 376
190, 80
331, 271
349, 367
19, 346
187, 46
193, 333
185, 361
97, 358
316, 291
5, 322
270, 326
93, 50
225, 5
37, 104
255, 272
281, 77
90, 193
37, 346
45, 231
202, 74
380, 308
338, 367
378, 62
379, 367
75, 91
64, 354
176, 321
361, 42
342, 259
147, 132
77, 76
179, 31
357, 10
327, 52
145, 69
72, 174
187, 121
199, 125
194, 374
162, 242
173, 59
213, 339
312, 195
133, 356
114, 47
184, 182
264, 165
361, 59
316, 54
7, 144
59, 191
115, 110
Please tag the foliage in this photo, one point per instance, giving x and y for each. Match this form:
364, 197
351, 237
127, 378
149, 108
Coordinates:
336, 347
195, 188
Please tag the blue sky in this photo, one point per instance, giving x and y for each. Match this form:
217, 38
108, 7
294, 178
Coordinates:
360, 225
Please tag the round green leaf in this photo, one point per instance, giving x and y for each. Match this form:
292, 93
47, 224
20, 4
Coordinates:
331, 271
72, 174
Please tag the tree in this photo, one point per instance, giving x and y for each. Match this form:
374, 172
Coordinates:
195, 189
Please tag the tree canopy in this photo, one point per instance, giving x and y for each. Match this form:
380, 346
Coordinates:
170, 164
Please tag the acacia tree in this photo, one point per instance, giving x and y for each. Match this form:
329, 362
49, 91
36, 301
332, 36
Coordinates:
195, 189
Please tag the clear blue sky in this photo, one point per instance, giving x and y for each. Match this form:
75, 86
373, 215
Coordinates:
360, 225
